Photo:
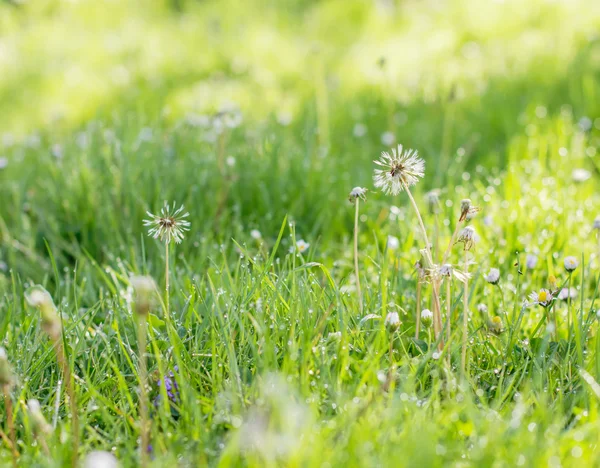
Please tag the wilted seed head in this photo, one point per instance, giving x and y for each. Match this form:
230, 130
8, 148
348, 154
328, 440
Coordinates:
482, 308
493, 277
144, 288
169, 225
401, 169
433, 201
446, 270
468, 237
496, 326
36, 296
38, 422
465, 206
357, 192
100, 459
392, 321
426, 317
6, 375
596, 224
571, 264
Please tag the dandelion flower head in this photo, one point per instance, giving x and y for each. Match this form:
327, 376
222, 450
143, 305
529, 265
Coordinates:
170, 225
399, 170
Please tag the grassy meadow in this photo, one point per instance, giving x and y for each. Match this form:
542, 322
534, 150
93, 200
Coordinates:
251, 342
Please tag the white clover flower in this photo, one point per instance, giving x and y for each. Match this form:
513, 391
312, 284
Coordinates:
468, 237
566, 293
426, 317
493, 277
531, 261
392, 243
580, 175
255, 234
357, 192
401, 169
169, 225
100, 459
571, 264
543, 298
392, 321
596, 224
388, 138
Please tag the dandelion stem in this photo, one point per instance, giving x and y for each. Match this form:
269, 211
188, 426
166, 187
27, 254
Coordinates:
465, 327
356, 271
11, 425
143, 376
167, 299
420, 219
448, 311
569, 321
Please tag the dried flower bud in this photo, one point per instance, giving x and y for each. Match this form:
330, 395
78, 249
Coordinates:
6, 375
465, 206
36, 296
426, 317
468, 237
144, 288
433, 201
446, 270
38, 422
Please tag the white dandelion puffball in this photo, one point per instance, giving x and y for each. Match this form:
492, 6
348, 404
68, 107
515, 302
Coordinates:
399, 170
357, 192
100, 459
255, 234
393, 243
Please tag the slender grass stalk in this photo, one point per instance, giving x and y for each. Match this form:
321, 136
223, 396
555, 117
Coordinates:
143, 377
570, 323
465, 324
70, 390
167, 293
10, 425
448, 312
356, 271
419, 292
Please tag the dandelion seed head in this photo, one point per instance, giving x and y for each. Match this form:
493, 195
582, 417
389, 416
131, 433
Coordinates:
400, 169
446, 269
433, 201
170, 225
468, 237
255, 234
100, 459
393, 243
357, 192
482, 308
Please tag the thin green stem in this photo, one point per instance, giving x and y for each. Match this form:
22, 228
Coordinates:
143, 376
167, 294
67, 377
356, 271
465, 325
11, 425
419, 292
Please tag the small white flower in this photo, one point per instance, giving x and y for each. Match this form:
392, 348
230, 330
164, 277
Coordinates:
596, 224
393, 243
580, 175
426, 317
388, 138
543, 298
100, 459
482, 308
255, 234
468, 237
357, 192
565, 293
360, 130
571, 264
392, 321
401, 169
301, 246
493, 276
531, 261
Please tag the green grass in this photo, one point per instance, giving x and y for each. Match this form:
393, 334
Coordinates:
276, 365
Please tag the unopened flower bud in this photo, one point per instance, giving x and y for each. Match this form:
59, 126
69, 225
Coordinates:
144, 288
433, 201
38, 422
496, 326
36, 296
392, 321
426, 317
6, 375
